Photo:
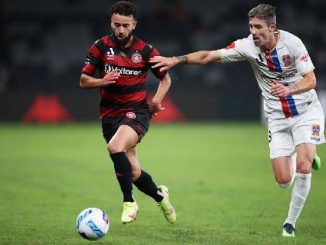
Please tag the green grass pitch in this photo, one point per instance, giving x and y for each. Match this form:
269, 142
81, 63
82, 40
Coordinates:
219, 175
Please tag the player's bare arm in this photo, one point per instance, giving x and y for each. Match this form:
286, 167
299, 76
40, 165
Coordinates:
87, 81
199, 57
163, 88
308, 82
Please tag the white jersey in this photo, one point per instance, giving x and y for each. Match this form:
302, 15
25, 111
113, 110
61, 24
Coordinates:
286, 63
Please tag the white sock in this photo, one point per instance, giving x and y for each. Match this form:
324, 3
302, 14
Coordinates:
299, 195
294, 163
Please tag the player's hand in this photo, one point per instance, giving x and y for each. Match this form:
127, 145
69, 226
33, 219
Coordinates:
110, 78
279, 90
155, 108
164, 63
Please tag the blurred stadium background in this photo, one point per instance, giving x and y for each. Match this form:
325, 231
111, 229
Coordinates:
43, 45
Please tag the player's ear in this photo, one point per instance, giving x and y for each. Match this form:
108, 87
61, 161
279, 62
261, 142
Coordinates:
134, 24
272, 27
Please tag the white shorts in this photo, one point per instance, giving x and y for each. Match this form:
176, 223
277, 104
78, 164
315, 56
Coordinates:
285, 134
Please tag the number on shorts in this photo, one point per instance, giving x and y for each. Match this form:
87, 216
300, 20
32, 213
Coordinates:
269, 136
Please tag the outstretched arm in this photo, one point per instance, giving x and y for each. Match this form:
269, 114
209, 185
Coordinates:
163, 88
87, 81
199, 57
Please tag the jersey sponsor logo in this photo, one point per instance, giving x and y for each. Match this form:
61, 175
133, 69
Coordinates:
123, 70
316, 130
286, 58
280, 77
136, 58
131, 115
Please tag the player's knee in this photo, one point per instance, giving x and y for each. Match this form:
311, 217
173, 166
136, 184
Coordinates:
304, 165
284, 181
304, 169
113, 147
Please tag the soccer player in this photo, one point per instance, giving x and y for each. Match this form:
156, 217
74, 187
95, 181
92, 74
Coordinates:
294, 116
121, 60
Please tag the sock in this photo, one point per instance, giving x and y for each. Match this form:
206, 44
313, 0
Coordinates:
122, 167
299, 195
146, 184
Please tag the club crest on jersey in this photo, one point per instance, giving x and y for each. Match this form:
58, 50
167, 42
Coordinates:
315, 130
136, 58
131, 115
286, 60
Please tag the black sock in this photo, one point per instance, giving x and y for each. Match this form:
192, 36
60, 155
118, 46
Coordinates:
145, 184
122, 167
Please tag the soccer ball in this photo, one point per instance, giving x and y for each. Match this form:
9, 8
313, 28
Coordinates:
92, 223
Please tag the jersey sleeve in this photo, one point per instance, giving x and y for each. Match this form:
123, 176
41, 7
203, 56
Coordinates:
302, 59
156, 71
234, 51
93, 59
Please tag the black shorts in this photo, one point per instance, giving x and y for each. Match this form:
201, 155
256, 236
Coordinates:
138, 120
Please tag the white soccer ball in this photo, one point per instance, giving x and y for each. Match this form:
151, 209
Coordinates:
92, 223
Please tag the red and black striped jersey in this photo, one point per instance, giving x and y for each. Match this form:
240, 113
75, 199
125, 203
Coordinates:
129, 91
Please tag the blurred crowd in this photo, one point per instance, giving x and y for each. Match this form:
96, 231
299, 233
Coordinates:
43, 44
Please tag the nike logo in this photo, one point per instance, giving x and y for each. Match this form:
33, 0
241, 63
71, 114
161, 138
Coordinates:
159, 192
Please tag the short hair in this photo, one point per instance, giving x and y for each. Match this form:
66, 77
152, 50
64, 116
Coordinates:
265, 12
125, 8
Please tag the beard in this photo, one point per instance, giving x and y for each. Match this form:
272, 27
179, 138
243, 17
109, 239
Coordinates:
123, 42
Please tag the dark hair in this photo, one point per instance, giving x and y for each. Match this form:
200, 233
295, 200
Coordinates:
265, 12
125, 8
